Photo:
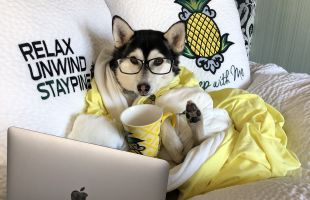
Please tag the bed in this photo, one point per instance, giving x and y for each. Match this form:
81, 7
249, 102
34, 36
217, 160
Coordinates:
290, 94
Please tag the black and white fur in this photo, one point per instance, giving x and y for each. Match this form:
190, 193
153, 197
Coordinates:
146, 45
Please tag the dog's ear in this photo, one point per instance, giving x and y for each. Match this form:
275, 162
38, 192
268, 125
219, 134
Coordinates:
176, 36
122, 32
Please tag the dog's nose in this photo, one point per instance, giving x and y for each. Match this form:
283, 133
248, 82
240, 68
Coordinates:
143, 89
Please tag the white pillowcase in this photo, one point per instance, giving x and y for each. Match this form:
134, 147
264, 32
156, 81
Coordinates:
215, 66
47, 50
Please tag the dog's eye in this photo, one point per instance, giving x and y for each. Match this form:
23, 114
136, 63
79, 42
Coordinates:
134, 60
158, 61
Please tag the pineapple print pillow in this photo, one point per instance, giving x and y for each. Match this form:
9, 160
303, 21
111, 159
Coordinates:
215, 49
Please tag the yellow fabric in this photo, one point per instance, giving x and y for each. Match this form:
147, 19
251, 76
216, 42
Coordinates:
254, 147
94, 103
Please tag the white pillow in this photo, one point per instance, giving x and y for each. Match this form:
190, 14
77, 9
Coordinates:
224, 68
35, 36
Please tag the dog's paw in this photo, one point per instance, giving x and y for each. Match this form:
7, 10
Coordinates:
193, 114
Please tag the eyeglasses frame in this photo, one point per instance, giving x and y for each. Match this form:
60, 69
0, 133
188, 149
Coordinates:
146, 65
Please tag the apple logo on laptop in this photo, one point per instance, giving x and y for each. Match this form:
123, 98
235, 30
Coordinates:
79, 195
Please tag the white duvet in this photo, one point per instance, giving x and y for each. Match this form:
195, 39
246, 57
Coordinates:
290, 94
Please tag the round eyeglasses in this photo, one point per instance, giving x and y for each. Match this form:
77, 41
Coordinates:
133, 65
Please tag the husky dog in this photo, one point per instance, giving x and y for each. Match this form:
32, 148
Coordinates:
146, 60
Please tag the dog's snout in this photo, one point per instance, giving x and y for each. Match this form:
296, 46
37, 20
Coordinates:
143, 88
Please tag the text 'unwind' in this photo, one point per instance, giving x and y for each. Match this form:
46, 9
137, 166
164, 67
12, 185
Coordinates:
55, 67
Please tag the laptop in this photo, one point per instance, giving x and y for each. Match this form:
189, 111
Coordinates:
42, 166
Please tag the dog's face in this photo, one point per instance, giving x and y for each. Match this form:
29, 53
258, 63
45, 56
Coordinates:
146, 60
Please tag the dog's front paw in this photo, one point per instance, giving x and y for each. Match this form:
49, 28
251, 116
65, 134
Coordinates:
193, 114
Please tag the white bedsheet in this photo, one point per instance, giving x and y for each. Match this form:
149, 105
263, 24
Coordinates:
289, 93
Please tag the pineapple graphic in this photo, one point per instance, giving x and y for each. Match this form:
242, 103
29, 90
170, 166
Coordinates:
204, 41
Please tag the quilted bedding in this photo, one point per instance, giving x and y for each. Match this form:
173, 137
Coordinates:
290, 94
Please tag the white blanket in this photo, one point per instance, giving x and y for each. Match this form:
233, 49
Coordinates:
194, 159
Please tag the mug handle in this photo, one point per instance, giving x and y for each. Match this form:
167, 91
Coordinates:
169, 114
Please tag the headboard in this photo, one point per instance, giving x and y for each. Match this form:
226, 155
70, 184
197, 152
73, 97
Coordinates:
282, 34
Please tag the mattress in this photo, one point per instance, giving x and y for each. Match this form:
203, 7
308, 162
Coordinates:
290, 94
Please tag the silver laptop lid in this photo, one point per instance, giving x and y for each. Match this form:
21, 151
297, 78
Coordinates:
47, 167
